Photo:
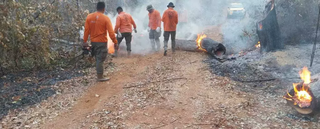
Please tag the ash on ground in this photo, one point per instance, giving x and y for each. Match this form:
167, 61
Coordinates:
270, 75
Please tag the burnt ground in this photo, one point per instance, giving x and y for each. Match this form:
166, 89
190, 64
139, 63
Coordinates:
28, 89
269, 76
23, 90
185, 90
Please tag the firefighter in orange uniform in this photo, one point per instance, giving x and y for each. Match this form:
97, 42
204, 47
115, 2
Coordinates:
170, 21
97, 26
154, 27
123, 29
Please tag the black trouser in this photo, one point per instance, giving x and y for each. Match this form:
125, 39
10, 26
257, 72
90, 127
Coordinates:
128, 38
99, 51
154, 38
166, 36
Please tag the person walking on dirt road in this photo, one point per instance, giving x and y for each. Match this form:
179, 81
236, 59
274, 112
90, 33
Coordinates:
170, 21
97, 26
123, 29
154, 27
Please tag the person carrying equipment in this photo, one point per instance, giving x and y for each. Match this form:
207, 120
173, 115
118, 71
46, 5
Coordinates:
98, 26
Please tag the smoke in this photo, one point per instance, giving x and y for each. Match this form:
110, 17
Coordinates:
140, 43
240, 34
201, 15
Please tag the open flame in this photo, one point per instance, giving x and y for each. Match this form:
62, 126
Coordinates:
258, 45
301, 96
305, 75
111, 47
199, 39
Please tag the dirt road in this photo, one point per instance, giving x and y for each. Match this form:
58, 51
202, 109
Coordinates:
150, 91
154, 92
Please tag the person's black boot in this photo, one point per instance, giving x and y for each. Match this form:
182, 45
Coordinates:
165, 53
101, 78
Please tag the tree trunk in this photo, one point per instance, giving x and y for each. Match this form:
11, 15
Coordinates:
268, 30
211, 47
187, 45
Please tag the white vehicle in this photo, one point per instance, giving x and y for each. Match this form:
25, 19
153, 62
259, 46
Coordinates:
236, 10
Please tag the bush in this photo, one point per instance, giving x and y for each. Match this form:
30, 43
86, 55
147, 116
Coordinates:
28, 27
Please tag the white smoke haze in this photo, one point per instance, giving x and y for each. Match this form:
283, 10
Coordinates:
233, 30
201, 15
140, 43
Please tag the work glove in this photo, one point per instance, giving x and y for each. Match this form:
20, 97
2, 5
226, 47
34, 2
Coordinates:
158, 29
148, 29
119, 35
135, 30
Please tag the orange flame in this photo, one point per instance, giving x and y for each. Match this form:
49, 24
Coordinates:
110, 46
260, 26
199, 39
258, 45
301, 95
305, 75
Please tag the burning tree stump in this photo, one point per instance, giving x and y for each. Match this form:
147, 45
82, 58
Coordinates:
301, 97
302, 105
268, 30
207, 45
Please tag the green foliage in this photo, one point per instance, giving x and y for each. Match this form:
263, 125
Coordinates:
26, 30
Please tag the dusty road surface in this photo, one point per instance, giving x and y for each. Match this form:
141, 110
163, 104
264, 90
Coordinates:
151, 92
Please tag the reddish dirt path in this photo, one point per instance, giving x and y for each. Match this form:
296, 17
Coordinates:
182, 103
90, 102
177, 109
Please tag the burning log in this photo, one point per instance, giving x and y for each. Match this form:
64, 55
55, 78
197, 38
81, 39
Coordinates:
212, 47
202, 44
301, 97
187, 45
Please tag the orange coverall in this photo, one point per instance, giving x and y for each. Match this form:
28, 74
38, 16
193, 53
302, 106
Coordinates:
170, 20
97, 26
154, 20
125, 23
